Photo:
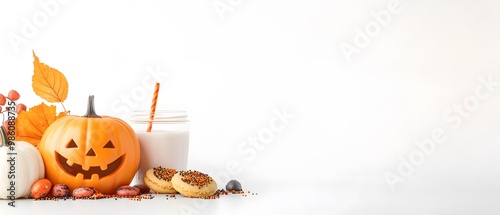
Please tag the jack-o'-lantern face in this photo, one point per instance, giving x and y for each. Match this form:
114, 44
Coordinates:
84, 165
97, 151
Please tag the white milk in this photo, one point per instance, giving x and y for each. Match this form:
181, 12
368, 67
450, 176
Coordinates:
167, 144
162, 148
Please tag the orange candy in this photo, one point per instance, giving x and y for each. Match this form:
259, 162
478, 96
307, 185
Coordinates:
41, 188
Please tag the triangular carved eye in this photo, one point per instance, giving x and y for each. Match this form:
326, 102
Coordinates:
71, 144
109, 145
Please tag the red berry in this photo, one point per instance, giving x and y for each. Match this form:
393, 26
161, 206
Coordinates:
20, 107
2, 99
0, 109
14, 95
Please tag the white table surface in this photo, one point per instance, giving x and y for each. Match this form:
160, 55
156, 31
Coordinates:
315, 198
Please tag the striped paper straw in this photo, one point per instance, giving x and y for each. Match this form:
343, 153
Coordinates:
153, 106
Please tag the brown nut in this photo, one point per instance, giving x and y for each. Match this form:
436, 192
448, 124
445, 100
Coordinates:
60, 190
142, 188
127, 191
83, 191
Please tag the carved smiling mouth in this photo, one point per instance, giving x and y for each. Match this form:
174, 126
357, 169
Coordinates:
76, 169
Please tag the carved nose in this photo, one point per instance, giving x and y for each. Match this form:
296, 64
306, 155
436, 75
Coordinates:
91, 152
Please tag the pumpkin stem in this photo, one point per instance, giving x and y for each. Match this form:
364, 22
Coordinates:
3, 133
90, 109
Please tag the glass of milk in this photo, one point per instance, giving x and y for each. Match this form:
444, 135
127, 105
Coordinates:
167, 144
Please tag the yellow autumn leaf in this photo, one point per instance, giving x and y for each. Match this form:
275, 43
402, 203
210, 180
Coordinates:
31, 124
49, 83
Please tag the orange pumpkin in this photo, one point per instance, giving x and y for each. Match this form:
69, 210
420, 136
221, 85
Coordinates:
91, 150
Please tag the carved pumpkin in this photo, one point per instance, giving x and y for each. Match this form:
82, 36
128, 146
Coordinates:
91, 150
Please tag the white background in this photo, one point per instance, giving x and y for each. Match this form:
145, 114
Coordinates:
353, 120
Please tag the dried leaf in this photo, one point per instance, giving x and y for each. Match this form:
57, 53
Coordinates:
49, 83
61, 114
31, 124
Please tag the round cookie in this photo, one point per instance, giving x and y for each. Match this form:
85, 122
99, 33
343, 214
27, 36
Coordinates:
159, 179
195, 184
